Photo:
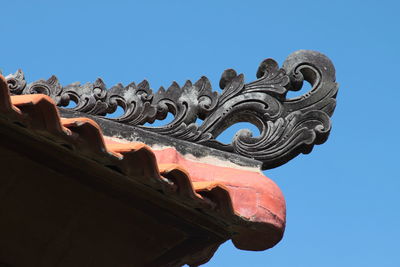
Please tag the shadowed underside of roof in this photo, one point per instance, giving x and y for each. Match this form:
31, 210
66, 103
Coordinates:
134, 173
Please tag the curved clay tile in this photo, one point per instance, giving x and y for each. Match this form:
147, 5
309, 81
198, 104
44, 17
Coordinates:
257, 201
251, 205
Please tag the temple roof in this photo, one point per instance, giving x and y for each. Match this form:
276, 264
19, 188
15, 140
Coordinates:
240, 203
80, 187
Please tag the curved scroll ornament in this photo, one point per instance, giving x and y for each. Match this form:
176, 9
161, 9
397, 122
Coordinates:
288, 126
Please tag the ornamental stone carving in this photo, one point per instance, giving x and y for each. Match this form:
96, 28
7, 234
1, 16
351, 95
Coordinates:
288, 126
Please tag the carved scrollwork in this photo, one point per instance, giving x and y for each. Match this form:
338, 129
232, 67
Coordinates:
288, 126
16, 82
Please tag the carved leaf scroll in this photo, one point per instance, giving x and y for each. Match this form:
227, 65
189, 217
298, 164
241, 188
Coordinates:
288, 126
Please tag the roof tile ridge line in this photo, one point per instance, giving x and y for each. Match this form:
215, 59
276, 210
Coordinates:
125, 150
43, 101
90, 132
45, 108
224, 163
173, 172
40, 106
142, 148
180, 177
218, 193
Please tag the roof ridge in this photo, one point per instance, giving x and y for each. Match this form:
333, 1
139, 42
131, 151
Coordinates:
39, 113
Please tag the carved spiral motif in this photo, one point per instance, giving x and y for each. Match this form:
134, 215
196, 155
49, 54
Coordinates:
288, 126
16, 82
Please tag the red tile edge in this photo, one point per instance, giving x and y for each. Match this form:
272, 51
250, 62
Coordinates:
251, 204
256, 199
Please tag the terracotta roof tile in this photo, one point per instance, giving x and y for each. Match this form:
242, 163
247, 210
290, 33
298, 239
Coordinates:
251, 204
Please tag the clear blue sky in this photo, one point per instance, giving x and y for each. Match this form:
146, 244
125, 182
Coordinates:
342, 199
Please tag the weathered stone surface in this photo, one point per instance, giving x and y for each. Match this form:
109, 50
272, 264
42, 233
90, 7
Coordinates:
288, 126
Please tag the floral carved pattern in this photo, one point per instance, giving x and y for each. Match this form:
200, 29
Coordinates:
288, 126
